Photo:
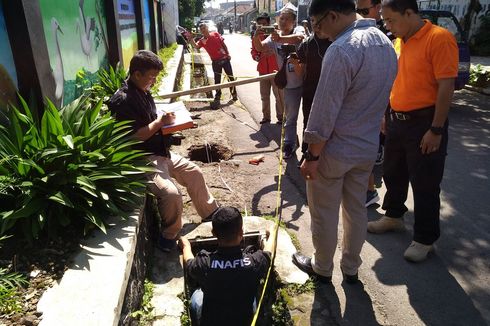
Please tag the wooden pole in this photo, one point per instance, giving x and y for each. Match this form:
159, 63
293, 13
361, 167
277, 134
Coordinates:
206, 89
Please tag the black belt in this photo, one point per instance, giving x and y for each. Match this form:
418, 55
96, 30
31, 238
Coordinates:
414, 114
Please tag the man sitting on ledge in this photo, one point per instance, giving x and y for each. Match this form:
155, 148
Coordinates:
229, 277
134, 102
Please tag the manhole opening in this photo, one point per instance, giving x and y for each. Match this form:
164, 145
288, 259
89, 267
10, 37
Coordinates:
208, 153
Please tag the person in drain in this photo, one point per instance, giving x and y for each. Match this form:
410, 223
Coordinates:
134, 102
229, 277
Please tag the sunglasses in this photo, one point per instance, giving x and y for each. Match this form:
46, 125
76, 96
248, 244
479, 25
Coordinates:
364, 11
317, 24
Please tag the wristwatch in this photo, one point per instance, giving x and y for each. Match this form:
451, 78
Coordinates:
310, 157
437, 130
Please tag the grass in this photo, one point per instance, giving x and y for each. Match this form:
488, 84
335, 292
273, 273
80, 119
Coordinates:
145, 314
165, 55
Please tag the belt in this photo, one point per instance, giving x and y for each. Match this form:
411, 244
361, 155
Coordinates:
414, 114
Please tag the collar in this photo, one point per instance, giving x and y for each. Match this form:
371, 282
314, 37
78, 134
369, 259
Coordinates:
358, 23
422, 31
132, 86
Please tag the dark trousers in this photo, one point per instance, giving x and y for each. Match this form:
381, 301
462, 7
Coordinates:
218, 67
404, 163
307, 102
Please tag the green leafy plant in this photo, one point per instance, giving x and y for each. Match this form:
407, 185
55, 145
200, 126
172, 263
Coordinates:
109, 82
146, 314
75, 164
479, 77
10, 300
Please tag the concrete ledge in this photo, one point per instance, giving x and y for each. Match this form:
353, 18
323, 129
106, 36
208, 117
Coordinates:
174, 68
485, 91
92, 290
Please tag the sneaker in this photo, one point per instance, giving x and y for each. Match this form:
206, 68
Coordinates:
417, 252
288, 152
215, 104
166, 245
235, 98
371, 197
385, 224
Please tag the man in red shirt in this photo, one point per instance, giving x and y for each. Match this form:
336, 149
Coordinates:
267, 64
215, 46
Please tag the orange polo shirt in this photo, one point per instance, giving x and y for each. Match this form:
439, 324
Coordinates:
430, 54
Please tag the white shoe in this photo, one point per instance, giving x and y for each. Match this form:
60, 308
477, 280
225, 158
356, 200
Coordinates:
417, 252
385, 224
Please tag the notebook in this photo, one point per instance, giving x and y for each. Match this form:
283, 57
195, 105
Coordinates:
183, 119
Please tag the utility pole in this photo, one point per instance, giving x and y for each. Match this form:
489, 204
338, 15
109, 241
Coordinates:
234, 20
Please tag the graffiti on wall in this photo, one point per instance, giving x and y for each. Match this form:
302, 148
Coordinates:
8, 75
77, 44
127, 26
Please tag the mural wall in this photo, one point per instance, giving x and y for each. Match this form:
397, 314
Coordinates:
8, 75
170, 20
127, 26
76, 38
146, 24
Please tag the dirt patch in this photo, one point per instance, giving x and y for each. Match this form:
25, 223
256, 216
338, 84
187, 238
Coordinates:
42, 263
209, 152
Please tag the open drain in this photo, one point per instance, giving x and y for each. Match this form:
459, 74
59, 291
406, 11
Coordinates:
208, 153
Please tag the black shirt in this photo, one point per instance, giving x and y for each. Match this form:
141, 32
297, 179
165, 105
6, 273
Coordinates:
311, 53
131, 103
229, 278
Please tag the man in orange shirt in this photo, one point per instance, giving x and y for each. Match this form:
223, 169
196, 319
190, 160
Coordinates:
417, 126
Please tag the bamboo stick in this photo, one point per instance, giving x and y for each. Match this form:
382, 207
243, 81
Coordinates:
206, 89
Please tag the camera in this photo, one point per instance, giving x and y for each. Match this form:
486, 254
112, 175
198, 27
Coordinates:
288, 49
267, 29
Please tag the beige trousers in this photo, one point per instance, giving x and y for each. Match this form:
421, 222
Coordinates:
168, 195
338, 184
265, 96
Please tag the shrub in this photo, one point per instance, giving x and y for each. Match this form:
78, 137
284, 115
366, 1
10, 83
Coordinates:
73, 164
109, 82
479, 77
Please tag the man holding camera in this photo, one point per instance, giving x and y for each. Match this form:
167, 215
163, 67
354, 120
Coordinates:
267, 64
134, 102
283, 44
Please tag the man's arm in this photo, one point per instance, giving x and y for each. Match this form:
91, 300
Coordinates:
185, 245
289, 39
190, 39
431, 142
150, 129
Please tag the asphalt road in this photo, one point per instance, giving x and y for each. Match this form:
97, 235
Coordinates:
453, 286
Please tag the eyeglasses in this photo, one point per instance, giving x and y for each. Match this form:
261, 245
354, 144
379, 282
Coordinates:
317, 24
364, 11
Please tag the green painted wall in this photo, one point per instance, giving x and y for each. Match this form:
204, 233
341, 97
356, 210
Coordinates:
8, 76
76, 36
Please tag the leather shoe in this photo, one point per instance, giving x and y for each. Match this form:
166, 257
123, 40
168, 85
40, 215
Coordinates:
304, 264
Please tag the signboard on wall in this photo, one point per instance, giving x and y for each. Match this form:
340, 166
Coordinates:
77, 44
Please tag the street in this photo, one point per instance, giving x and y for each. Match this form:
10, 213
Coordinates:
453, 286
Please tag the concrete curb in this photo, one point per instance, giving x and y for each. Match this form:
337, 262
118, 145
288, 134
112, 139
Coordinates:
92, 290
481, 90
174, 69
